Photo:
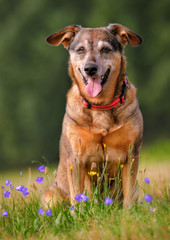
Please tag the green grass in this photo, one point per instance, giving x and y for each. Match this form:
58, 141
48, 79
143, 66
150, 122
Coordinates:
90, 219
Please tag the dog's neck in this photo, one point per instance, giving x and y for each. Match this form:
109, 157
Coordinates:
116, 102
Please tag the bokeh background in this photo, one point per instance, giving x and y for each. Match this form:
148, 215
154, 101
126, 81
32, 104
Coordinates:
34, 79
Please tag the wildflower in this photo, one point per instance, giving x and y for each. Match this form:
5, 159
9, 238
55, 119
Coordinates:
6, 194
21, 173
48, 212
104, 145
141, 202
39, 180
81, 197
41, 168
40, 211
25, 192
19, 188
92, 173
11, 187
55, 173
147, 180
119, 159
113, 178
110, 179
152, 209
5, 214
70, 168
93, 166
148, 198
71, 208
108, 201
7, 182
46, 170
121, 166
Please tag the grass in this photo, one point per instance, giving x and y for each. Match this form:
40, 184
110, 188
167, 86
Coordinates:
90, 219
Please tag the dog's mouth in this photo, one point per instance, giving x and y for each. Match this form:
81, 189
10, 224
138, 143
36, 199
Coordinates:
94, 86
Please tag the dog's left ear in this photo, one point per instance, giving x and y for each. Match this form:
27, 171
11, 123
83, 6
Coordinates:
125, 35
64, 36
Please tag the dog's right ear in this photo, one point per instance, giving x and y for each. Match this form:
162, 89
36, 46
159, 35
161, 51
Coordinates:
64, 36
125, 35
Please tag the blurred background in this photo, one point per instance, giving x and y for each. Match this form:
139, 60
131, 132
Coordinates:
34, 79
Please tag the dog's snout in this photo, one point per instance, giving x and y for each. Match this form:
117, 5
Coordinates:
90, 69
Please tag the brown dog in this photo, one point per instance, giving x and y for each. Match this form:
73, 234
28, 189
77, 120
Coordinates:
102, 112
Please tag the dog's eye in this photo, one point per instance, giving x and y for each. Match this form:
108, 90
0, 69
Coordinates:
80, 50
105, 50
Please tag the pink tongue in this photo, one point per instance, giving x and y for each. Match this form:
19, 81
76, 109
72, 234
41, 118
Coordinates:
93, 87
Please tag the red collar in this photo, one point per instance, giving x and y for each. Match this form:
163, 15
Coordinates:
113, 104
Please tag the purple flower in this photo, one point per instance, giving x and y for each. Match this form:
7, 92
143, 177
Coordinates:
40, 211
78, 198
39, 180
141, 202
81, 197
147, 180
11, 187
25, 192
72, 207
6, 194
7, 182
108, 201
148, 198
5, 214
48, 212
20, 173
19, 188
41, 168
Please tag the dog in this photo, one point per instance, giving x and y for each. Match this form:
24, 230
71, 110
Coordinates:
102, 113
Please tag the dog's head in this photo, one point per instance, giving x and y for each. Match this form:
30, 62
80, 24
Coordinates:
95, 54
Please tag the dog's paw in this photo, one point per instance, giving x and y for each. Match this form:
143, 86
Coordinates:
48, 198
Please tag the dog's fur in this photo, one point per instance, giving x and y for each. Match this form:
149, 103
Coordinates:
94, 52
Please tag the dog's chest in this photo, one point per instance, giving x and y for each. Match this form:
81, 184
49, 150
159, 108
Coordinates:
102, 122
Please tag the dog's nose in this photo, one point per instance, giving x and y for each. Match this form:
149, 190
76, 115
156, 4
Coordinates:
90, 69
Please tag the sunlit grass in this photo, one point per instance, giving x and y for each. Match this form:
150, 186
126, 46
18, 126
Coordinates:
90, 219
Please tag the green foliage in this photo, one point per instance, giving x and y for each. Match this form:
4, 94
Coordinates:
158, 151
34, 79
91, 219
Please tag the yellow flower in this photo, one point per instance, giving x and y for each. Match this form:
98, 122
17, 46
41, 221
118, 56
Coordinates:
92, 173
110, 179
97, 174
70, 168
120, 180
104, 145
121, 166
119, 159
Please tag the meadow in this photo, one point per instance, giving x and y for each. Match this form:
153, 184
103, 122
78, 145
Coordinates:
23, 217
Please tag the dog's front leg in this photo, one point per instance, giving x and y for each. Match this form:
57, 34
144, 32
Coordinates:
130, 188
76, 177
